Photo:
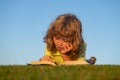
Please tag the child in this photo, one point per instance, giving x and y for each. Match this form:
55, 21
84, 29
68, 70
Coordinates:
64, 41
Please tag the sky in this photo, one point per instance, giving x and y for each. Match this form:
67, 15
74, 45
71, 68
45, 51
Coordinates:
23, 24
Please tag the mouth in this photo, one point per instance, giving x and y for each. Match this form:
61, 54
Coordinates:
59, 48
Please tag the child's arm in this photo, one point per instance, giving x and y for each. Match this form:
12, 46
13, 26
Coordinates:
65, 57
47, 56
65, 51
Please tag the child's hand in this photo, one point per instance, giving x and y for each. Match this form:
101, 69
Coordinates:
66, 49
46, 58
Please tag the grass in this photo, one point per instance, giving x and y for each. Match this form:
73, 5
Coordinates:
78, 72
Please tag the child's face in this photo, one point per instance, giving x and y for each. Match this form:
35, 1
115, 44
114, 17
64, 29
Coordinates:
62, 45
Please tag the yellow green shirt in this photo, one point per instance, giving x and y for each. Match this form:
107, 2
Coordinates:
58, 58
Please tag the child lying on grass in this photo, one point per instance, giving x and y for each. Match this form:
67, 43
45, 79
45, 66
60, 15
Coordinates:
64, 41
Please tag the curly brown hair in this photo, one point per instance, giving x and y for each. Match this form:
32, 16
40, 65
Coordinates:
70, 27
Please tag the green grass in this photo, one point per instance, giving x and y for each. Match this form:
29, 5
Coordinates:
79, 72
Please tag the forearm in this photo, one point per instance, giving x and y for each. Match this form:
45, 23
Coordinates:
66, 57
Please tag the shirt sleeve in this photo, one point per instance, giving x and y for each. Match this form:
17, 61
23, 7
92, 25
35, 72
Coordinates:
47, 52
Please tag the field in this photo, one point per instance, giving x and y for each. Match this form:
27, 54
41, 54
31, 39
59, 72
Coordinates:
78, 72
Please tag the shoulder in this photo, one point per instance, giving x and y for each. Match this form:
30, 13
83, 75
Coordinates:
82, 50
84, 44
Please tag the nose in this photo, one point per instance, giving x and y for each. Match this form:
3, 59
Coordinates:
60, 43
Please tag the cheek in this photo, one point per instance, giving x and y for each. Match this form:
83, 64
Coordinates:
69, 44
55, 41
66, 44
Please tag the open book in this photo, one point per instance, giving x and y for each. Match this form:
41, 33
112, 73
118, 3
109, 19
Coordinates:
53, 64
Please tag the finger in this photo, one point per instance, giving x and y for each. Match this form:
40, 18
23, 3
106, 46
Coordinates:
68, 48
45, 58
49, 58
65, 50
62, 52
70, 45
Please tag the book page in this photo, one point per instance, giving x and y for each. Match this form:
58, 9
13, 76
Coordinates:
53, 64
74, 63
42, 63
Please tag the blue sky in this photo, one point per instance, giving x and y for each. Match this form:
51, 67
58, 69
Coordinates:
23, 24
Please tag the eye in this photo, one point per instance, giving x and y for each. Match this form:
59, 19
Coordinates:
64, 39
